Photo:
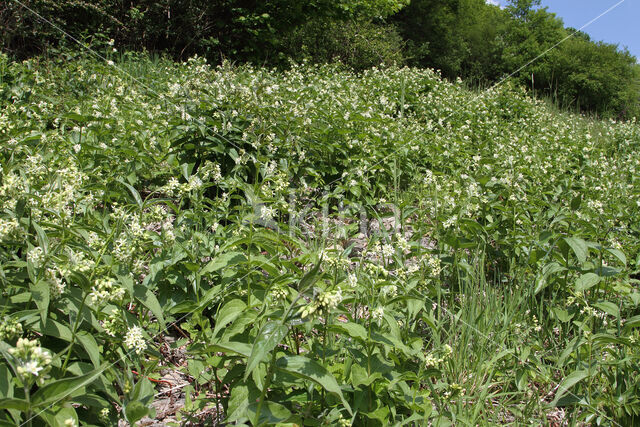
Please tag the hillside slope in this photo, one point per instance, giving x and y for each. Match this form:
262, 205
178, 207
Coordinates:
313, 244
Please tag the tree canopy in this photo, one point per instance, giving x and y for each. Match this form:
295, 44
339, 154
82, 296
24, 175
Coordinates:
462, 38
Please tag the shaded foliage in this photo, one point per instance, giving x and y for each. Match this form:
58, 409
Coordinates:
471, 39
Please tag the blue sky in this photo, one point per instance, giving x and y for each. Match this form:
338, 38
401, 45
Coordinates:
619, 26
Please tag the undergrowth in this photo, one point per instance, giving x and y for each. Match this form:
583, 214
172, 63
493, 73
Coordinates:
329, 248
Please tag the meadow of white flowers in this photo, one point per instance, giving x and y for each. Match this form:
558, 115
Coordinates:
371, 249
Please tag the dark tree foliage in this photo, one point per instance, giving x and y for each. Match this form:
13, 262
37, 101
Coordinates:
479, 42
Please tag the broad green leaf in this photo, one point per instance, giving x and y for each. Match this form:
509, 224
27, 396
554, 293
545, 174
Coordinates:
270, 413
575, 202
309, 278
11, 403
134, 193
562, 314
222, 261
149, 300
632, 322
246, 319
306, 368
54, 329
6, 381
579, 248
268, 338
359, 376
58, 390
243, 349
568, 382
228, 313
618, 254
586, 281
239, 401
90, 345
543, 277
40, 293
135, 411
354, 330
608, 307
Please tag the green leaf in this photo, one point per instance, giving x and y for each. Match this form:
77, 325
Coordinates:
579, 247
224, 260
632, 322
11, 403
618, 254
54, 329
608, 307
60, 389
354, 330
360, 376
241, 396
90, 345
543, 277
586, 281
149, 300
269, 337
134, 192
309, 278
228, 313
575, 203
308, 369
6, 381
243, 349
40, 293
562, 314
568, 382
270, 413
135, 411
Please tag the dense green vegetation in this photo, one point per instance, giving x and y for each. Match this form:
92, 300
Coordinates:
321, 247
463, 38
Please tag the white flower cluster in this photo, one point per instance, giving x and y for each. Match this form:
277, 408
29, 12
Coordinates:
31, 359
8, 228
135, 339
113, 325
106, 290
211, 171
10, 328
402, 243
278, 293
56, 283
352, 280
325, 302
432, 360
36, 256
433, 264
267, 213
377, 314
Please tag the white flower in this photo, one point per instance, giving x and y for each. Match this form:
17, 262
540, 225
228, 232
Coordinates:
388, 250
135, 340
31, 367
352, 280
377, 314
194, 182
267, 213
36, 256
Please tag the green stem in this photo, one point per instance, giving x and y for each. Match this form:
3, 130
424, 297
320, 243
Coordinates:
267, 383
76, 324
27, 396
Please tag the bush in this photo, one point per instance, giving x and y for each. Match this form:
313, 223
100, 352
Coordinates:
357, 44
